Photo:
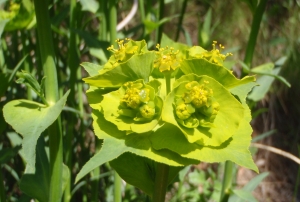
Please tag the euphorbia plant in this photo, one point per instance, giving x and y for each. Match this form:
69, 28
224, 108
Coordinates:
166, 109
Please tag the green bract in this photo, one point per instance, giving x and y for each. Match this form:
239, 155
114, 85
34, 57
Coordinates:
203, 116
214, 114
131, 62
133, 108
126, 50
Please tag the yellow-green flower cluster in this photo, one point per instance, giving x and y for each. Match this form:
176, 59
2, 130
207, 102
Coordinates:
123, 51
13, 11
214, 56
136, 101
166, 59
196, 104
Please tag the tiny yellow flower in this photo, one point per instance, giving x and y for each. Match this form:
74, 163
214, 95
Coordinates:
134, 96
124, 50
166, 59
198, 94
214, 56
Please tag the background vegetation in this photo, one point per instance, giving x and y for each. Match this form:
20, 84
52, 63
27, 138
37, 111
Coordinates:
82, 31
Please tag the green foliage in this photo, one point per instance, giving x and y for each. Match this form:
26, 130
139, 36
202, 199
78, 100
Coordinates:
35, 182
7, 154
135, 130
20, 15
30, 119
147, 170
245, 194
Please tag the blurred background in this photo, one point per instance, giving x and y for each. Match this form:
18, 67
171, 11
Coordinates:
81, 32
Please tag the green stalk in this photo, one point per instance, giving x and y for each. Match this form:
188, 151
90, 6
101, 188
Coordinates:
73, 64
117, 188
26, 50
142, 10
160, 17
51, 90
254, 32
113, 36
2, 188
161, 182
184, 4
96, 172
227, 181
68, 156
73, 56
112, 21
103, 21
162, 170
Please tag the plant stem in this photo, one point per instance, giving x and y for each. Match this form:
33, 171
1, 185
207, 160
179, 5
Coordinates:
160, 16
51, 90
227, 181
113, 37
26, 50
103, 21
142, 10
117, 188
73, 64
254, 32
112, 21
168, 83
180, 19
161, 182
96, 172
73, 56
2, 188
162, 170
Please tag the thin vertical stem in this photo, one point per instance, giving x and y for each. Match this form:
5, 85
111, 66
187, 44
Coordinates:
160, 17
168, 82
254, 32
2, 188
73, 64
227, 181
103, 21
161, 182
162, 170
112, 21
117, 187
113, 36
51, 90
73, 57
26, 50
184, 4
142, 10
96, 172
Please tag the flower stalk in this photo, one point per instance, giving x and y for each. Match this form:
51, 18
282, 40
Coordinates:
113, 36
2, 188
259, 11
51, 91
162, 170
73, 63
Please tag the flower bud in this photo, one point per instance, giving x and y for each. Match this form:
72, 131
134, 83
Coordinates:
148, 110
183, 111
